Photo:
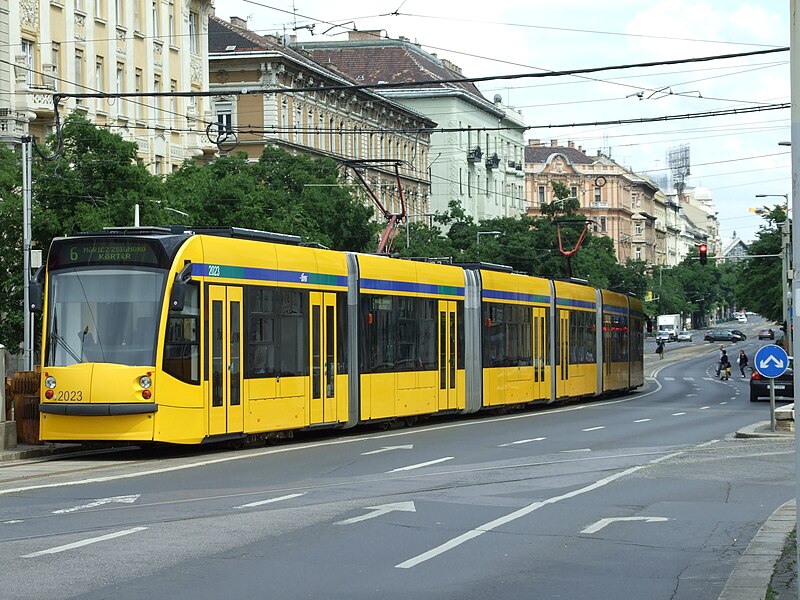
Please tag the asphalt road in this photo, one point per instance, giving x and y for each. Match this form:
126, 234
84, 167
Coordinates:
646, 496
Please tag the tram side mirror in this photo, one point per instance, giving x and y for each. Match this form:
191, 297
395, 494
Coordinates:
177, 299
36, 291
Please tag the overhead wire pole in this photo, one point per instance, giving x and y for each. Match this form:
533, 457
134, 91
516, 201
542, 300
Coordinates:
794, 62
27, 351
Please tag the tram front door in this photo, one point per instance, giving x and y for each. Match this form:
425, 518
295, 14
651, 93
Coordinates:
323, 358
448, 398
225, 412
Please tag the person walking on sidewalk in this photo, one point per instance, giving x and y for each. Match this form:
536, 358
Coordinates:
660, 348
724, 366
742, 360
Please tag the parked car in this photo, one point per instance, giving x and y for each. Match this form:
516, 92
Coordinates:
766, 334
724, 335
685, 336
784, 385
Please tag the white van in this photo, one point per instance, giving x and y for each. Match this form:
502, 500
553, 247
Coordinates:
741, 318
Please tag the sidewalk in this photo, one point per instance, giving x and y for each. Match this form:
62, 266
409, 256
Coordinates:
23, 451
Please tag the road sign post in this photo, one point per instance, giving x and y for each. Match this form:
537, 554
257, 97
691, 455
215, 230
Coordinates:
771, 361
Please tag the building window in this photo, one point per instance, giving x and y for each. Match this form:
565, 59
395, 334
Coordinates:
224, 111
312, 129
597, 198
137, 87
99, 81
79, 75
56, 64
541, 195
461, 182
27, 53
194, 28
156, 27
603, 224
137, 15
98, 9
157, 99
171, 29
79, 6
573, 191
120, 10
638, 228
638, 253
284, 125
173, 104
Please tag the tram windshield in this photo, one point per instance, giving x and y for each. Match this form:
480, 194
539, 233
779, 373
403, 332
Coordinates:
107, 315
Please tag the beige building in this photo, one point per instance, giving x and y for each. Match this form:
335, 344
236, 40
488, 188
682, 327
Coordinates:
51, 47
303, 106
645, 222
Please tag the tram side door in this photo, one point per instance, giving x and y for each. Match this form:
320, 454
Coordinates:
225, 413
323, 407
448, 399
562, 371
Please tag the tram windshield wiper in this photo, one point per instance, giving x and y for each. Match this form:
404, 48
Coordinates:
65, 346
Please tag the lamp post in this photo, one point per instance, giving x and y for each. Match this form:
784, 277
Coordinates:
786, 273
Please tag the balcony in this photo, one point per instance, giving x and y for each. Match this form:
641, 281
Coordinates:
39, 100
492, 161
474, 154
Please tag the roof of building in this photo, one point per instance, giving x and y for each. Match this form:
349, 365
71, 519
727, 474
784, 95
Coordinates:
540, 154
372, 59
729, 245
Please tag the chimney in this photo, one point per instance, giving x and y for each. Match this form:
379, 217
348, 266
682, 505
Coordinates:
554, 143
570, 144
239, 22
452, 67
366, 35
534, 142
580, 148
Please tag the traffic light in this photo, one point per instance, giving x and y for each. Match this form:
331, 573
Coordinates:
703, 249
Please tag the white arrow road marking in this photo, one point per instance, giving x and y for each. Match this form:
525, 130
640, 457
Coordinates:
269, 501
377, 511
603, 522
99, 502
66, 547
539, 439
420, 465
388, 448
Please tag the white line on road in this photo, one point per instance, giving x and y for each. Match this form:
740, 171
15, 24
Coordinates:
594, 428
641, 420
690, 395
708, 443
420, 465
605, 522
539, 439
524, 511
724, 402
688, 378
66, 547
269, 501
678, 414
388, 449
576, 450
669, 379
704, 407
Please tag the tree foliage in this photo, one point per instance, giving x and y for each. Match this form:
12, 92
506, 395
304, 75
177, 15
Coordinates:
759, 285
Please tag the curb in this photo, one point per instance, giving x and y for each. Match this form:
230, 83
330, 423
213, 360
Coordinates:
751, 575
23, 452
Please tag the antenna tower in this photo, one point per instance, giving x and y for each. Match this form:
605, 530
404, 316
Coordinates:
678, 161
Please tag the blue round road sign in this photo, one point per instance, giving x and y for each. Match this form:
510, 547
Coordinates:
771, 361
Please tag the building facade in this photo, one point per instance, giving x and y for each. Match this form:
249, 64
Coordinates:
63, 47
476, 152
302, 106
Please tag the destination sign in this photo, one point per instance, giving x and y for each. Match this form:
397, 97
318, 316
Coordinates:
94, 252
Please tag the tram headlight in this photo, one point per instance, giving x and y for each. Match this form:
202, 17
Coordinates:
50, 382
145, 381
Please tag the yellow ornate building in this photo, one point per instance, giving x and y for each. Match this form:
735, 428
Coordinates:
62, 47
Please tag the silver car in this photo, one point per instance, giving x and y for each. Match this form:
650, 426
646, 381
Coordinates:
685, 336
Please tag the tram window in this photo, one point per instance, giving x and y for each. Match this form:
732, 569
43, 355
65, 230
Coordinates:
426, 334
507, 332
341, 333
381, 326
293, 333
460, 333
260, 330
406, 334
182, 339
581, 337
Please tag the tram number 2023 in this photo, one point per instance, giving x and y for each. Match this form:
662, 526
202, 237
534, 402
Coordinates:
68, 396
213, 270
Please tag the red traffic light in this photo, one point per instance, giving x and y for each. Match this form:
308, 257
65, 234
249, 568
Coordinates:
703, 249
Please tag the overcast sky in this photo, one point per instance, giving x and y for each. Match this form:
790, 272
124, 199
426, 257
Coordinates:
735, 157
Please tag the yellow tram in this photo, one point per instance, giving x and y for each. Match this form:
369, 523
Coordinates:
191, 336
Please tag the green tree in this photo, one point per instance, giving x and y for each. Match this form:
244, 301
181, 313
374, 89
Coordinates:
11, 282
759, 285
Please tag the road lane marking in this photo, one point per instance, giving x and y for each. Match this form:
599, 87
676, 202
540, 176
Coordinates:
268, 501
641, 420
420, 465
87, 542
594, 528
576, 450
522, 512
688, 378
678, 414
539, 439
708, 443
100, 502
380, 510
724, 402
690, 395
669, 379
704, 407
388, 449
594, 428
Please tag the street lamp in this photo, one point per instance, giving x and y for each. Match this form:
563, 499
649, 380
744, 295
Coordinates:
786, 273
480, 233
